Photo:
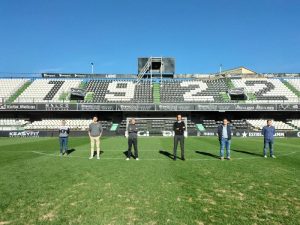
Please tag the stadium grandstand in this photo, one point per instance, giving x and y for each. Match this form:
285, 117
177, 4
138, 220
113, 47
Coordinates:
39, 103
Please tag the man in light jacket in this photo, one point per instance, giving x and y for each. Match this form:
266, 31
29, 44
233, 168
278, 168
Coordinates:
95, 132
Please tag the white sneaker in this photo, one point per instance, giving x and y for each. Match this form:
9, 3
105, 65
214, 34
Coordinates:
127, 159
91, 157
273, 156
137, 159
266, 156
98, 157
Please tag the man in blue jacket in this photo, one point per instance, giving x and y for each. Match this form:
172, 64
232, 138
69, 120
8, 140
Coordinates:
268, 132
224, 134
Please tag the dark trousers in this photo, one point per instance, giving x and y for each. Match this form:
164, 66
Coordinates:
180, 139
132, 141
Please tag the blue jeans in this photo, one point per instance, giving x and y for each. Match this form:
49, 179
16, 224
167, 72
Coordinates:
225, 143
268, 144
63, 143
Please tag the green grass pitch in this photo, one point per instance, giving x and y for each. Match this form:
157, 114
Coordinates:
39, 187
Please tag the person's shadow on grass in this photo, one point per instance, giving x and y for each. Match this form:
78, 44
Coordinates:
70, 151
167, 154
95, 153
208, 154
245, 152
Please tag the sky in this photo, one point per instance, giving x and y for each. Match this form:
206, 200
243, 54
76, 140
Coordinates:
67, 35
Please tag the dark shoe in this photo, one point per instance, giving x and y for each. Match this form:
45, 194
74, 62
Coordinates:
183, 159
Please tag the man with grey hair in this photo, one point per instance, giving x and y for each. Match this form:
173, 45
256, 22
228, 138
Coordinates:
132, 139
95, 132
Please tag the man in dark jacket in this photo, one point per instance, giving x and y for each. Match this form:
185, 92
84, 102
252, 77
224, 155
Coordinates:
268, 132
179, 128
224, 134
132, 139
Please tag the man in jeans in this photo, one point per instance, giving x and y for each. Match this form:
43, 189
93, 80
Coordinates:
224, 134
268, 132
95, 132
64, 132
132, 139
179, 128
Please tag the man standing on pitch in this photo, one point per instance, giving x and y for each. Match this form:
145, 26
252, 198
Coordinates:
179, 128
64, 132
95, 132
132, 139
268, 132
224, 134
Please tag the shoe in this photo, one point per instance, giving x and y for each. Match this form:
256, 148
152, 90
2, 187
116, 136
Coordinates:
137, 159
265, 156
228, 158
91, 157
273, 156
127, 158
222, 158
60, 154
183, 159
98, 157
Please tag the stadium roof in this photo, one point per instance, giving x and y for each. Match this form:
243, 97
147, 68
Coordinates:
239, 70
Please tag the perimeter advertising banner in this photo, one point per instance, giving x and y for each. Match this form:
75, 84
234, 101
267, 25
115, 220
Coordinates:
148, 107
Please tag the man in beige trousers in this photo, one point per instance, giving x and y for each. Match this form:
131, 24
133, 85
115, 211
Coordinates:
95, 132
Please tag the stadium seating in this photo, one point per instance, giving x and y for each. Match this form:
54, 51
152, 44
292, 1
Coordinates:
45, 90
192, 91
8, 124
121, 91
295, 123
259, 90
236, 124
266, 90
54, 124
259, 124
156, 126
295, 83
9, 86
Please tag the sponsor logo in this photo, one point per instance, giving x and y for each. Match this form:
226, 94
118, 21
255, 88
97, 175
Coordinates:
24, 134
258, 134
167, 133
57, 107
143, 133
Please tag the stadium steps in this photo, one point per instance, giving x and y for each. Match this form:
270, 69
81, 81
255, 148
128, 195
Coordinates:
229, 83
292, 88
12, 98
224, 96
114, 127
156, 93
89, 97
251, 96
200, 127
64, 96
